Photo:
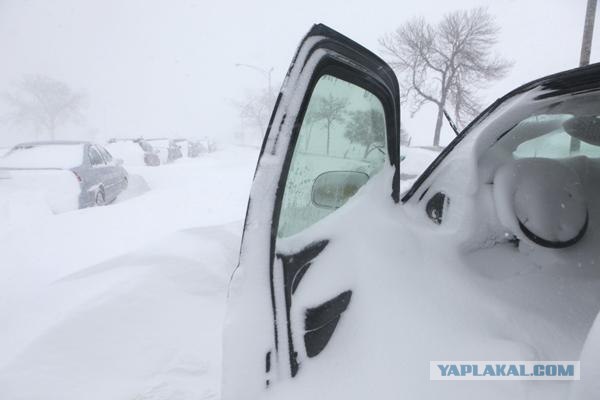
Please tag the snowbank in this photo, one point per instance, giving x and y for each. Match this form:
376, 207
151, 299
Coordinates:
30, 190
145, 325
125, 301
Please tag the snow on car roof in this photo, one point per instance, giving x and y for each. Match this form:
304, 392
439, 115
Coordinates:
159, 142
62, 155
129, 151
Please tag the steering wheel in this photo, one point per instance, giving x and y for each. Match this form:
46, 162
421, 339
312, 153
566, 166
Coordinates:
541, 200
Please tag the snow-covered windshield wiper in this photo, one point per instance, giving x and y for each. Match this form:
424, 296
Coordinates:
452, 124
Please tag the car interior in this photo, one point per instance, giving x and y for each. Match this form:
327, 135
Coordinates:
530, 193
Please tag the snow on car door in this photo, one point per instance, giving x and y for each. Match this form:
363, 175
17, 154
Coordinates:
114, 177
100, 175
335, 125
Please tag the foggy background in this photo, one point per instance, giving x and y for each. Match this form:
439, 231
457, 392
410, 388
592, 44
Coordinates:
167, 68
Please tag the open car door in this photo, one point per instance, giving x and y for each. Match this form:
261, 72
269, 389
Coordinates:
332, 138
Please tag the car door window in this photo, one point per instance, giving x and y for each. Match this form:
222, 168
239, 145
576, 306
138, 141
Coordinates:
341, 144
95, 157
106, 155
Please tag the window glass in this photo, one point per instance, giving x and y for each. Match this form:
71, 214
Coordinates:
554, 144
105, 154
341, 144
95, 157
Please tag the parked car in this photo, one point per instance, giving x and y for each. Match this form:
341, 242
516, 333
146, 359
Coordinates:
190, 148
83, 174
348, 288
185, 147
195, 149
168, 150
209, 144
134, 151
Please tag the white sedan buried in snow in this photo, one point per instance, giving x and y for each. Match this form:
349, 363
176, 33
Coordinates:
348, 289
69, 175
134, 152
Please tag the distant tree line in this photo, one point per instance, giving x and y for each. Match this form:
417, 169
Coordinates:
43, 104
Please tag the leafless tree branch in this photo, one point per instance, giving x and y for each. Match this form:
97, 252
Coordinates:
445, 64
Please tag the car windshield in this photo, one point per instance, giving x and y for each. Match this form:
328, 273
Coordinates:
542, 121
63, 156
557, 127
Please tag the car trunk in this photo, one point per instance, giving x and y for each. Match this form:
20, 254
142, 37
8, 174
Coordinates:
56, 190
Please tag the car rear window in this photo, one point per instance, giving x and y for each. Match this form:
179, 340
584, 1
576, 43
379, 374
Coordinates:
64, 156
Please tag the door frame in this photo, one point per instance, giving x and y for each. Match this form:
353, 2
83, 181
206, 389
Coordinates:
322, 50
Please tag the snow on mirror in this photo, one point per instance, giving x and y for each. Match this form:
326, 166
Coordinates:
341, 143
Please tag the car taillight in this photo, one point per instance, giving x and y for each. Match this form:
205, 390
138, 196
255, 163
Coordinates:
77, 176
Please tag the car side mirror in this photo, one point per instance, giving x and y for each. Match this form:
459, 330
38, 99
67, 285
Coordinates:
333, 189
119, 161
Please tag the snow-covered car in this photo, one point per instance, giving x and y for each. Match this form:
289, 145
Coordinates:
70, 174
209, 145
168, 150
349, 288
185, 147
192, 148
196, 148
134, 151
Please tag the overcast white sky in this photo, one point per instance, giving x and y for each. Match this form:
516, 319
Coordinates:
167, 67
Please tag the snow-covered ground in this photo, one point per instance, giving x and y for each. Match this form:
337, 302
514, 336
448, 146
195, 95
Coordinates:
125, 301
416, 159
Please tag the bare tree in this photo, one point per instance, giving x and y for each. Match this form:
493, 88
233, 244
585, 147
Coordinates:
405, 137
44, 103
446, 63
255, 112
330, 110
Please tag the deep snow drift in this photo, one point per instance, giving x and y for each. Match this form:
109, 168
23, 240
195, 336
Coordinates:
125, 301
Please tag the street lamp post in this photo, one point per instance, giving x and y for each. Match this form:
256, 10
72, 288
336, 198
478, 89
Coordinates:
265, 72
586, 49
588, 32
